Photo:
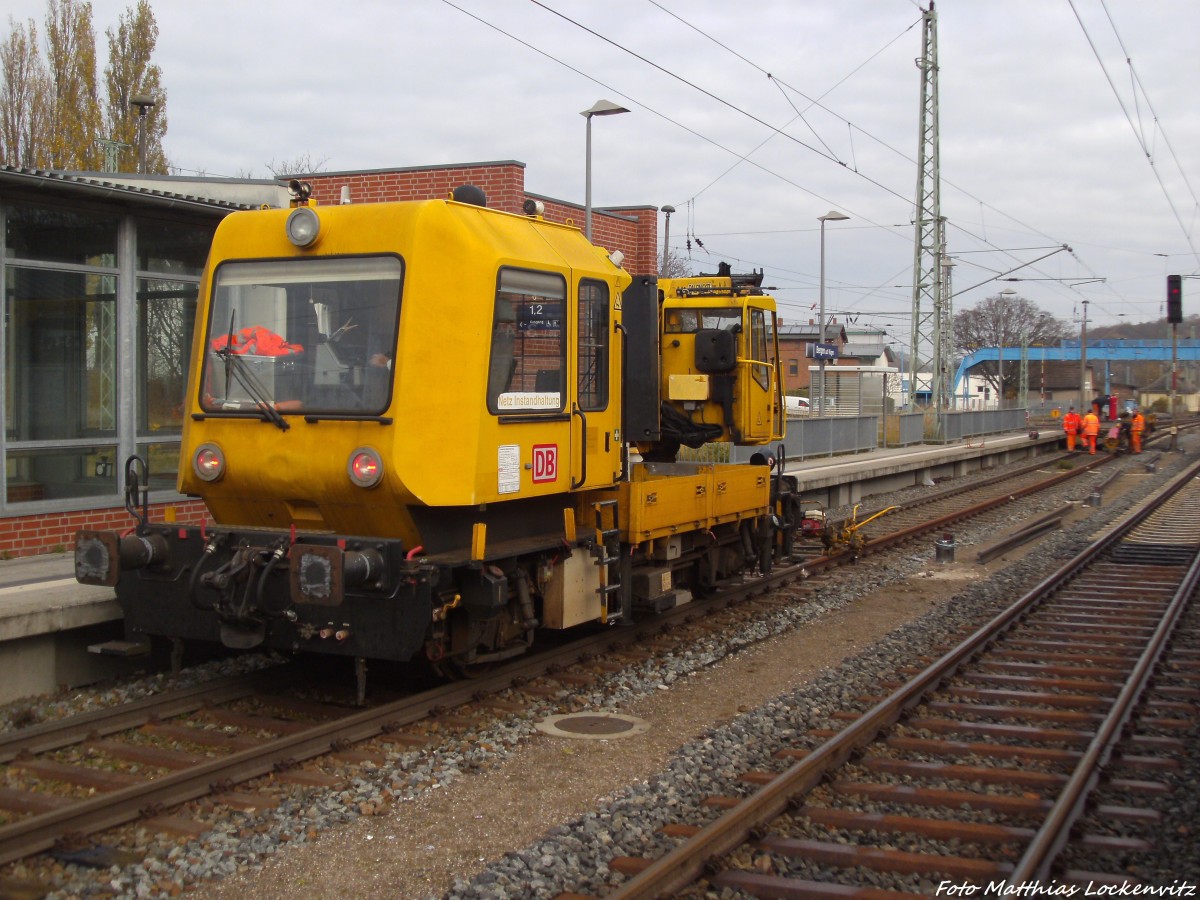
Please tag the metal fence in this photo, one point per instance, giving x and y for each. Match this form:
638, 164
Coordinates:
971, 423
809, 436
815, 436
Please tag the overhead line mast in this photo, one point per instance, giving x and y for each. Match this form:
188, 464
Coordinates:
930, 320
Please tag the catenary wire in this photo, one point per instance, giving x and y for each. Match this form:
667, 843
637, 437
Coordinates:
1141, 141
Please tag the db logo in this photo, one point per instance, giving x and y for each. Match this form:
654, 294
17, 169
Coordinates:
545, 462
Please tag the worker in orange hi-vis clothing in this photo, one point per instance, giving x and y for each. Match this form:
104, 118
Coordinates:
1136, 427
1091, 428
1071, 425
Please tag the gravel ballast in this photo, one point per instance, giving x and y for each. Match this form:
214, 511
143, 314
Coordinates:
444, 822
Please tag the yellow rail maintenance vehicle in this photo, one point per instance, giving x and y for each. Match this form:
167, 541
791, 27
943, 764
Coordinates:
431, 428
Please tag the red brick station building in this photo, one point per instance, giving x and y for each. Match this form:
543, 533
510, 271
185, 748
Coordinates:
101, 273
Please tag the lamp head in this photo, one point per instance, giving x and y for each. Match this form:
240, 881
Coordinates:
833, 216
603, 108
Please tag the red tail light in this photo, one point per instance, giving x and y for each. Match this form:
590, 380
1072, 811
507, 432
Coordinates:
209, 462
365, 467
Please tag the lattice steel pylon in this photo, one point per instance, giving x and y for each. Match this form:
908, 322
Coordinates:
926, 350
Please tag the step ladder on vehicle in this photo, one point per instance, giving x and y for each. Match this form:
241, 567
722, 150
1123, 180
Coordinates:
608, 558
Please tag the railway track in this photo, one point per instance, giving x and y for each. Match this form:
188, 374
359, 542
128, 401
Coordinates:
1024, 756
878, 527
140, 763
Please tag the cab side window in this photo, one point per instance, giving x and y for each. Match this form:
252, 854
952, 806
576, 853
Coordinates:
759, 344
528, 350
593, 346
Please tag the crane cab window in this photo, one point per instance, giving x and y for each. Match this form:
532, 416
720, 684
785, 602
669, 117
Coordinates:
527, 368
689, 321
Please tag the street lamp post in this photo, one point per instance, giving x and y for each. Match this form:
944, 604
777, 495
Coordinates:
832, 216
667, 210
599, 108
144, 103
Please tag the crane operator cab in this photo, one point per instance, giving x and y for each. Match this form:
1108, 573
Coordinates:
719, 379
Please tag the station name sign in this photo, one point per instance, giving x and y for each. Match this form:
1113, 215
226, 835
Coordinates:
824, 351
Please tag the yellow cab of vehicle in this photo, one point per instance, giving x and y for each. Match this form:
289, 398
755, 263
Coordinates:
409, 300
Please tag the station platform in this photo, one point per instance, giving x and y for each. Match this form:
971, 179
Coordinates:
847, 479
48, 620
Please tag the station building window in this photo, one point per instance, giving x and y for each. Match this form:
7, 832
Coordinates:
60, 381
166, 314
99, 307
50, 234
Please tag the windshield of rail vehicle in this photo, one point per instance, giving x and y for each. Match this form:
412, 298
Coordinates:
302, 335
681, 320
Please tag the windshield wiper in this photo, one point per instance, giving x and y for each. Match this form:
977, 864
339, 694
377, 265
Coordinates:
236, 366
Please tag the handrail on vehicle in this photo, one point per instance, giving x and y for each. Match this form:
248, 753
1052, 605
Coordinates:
576, 411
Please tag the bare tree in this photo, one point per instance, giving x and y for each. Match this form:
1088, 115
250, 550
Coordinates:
1001, 321
22, 97
304, 164
674, 266
74, 105
130, 73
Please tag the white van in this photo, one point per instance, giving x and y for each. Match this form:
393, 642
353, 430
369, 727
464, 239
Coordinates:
797, 406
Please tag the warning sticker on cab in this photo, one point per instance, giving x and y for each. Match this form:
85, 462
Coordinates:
508, 464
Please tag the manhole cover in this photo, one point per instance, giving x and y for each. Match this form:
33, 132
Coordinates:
593, 726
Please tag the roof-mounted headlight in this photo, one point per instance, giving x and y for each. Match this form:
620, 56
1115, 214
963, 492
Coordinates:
303, 226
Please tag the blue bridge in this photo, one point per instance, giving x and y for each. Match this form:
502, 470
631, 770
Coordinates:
1101, 351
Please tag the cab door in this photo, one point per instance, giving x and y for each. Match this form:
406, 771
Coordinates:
530, 395
596, 404
759, 381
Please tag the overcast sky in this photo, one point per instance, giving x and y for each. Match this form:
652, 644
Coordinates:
1037, 145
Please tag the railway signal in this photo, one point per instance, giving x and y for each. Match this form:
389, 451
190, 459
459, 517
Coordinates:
1175, 299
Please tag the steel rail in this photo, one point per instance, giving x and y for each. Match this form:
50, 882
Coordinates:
989, 481
53, 735
909, 532
41, 831
680, 867
976, 509
1049, 522
1055, 831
